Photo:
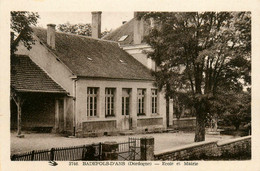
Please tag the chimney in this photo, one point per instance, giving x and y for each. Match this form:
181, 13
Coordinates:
96, 24
51, 35
138, 29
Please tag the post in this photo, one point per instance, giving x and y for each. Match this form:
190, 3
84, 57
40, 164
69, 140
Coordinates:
52, 154
167, 112
32, 156
147, 148
56, 125
65, 114
19, 110
83, 153
109, 151
170, 112
99, 151
134, 150
89, 153
19, 117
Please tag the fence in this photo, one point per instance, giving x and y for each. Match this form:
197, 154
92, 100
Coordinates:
130, 150
85, 152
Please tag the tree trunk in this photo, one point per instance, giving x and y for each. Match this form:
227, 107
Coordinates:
200, 124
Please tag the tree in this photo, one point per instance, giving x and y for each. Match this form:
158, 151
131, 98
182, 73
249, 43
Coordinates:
105, 32
21, 22
79, 29
238, 109
200, 54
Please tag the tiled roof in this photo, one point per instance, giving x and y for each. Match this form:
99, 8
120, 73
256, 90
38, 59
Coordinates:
26, 76
95, 58
123, 30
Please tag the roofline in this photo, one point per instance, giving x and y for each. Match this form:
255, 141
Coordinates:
75, 75
117, 28
71, 34
63, 89
87, 37
40, 91
44, 69
49, 50
135, 46
116, 79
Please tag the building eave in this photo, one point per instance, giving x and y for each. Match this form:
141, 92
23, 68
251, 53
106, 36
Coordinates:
136, 46
115, 79
40, 91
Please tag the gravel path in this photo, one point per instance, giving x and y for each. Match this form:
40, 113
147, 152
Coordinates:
34, 141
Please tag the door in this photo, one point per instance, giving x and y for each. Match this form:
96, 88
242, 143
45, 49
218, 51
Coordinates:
126, 121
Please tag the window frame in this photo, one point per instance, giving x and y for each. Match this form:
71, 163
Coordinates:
154, 101
92, 107
110, 94
125, 104
141, 107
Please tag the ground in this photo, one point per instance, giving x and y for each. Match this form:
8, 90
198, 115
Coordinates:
33, 141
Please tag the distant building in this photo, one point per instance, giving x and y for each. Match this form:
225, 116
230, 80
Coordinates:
84, 86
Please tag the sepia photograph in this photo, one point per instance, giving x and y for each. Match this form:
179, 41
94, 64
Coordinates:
160, 86
138, 88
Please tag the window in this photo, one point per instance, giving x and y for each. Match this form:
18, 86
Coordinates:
122, 61
125, 101
154, 101
122, 38
141, 101
109, 102
89, 58
92, 101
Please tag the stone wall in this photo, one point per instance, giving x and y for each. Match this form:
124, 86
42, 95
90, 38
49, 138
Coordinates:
184, 123
149, 122
99, 126
210, 149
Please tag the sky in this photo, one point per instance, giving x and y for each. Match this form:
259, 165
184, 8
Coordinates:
109, 20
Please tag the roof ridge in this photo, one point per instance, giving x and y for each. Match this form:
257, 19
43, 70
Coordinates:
71, 34
96, 58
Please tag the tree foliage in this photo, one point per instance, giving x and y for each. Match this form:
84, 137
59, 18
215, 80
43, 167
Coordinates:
201, 54
238, 109
79, 29
21, 22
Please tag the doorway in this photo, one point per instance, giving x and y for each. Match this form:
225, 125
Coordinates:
127, 120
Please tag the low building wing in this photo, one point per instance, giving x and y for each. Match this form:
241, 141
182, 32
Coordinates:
26, 76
